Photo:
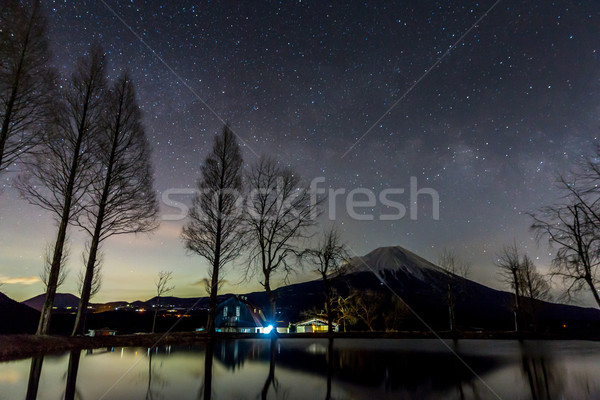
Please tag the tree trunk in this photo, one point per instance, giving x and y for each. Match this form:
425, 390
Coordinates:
329, 368
212, 302
592, 286
71, 387
208, 363
84, 301
35, 373
92, 256
328, 307
271, 377
450, 299
155, 312
44, 324
271, 297
517, 302
214, 286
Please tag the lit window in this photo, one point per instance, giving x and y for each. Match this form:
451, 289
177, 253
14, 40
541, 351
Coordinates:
225, 311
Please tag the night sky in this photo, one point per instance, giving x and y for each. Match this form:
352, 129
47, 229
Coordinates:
513, 104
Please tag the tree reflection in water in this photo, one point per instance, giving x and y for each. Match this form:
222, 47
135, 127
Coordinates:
540, 372
34, 377
72, 370
271, 376
330, 356
332, 368
154, 378
208, 366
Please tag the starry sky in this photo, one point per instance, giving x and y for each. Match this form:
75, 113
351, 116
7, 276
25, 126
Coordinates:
515, 102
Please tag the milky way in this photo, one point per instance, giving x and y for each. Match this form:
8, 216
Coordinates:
513, 104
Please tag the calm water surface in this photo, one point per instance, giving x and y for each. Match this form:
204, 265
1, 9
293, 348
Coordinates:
314, 369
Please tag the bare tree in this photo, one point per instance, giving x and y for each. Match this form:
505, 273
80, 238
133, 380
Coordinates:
57, 177
455, 270
213, 230
367, 306
534, 288
279, 212
96, 284
45, 274
509, 266
330, 258
121, 199
26, 80
571, 229
162, 288
81, 275
344, 311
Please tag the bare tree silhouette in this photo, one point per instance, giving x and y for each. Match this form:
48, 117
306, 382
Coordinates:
509, 268
26, 80
329, 258
280, 211
454, 269
121, 198
162, 288
213, 230
58, 176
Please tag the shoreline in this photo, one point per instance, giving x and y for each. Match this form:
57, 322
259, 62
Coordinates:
20, 346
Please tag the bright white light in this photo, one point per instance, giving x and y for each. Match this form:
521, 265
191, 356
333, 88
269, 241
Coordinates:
268, 329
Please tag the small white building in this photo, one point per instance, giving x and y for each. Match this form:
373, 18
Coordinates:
315, 325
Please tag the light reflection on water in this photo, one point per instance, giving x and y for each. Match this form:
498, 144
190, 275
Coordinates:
313, 369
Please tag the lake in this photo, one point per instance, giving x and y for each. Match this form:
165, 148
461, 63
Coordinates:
314, 369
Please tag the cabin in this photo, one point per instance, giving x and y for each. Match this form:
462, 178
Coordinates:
314, 325
283, 326
236, 314
101, 332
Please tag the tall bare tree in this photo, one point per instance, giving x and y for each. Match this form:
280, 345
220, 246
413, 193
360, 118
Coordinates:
455, 270
26, 80
534, 288
162, 287
571, 229
509, 267
279, 213
330, 260
121, 199
213, 230
58, 176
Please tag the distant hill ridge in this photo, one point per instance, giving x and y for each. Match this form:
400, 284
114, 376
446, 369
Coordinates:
419, 282
62, 300
16, 317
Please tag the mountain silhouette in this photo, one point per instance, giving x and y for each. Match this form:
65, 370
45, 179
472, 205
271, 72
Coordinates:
62, 300
16, 317
396, 274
